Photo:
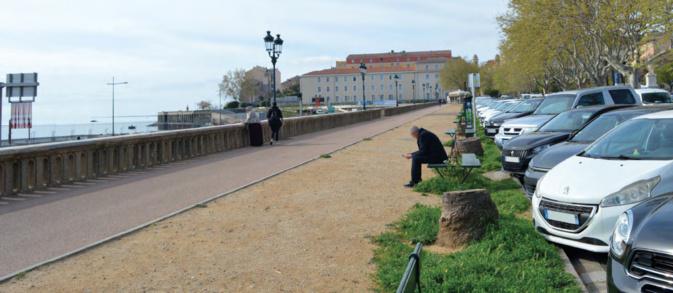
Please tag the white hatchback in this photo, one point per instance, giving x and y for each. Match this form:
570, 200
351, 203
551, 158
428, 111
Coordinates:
577, 202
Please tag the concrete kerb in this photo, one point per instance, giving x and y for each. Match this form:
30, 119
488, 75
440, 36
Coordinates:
568, 266
180, 211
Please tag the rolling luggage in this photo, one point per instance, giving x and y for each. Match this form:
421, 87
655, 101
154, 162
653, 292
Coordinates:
255, 131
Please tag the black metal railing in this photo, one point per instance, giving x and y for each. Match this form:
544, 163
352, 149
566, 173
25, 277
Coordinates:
411, 280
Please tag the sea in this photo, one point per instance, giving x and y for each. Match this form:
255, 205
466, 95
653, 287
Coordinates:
91, 128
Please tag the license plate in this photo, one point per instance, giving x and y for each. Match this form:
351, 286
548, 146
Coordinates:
561, 217
491, 130
512, 160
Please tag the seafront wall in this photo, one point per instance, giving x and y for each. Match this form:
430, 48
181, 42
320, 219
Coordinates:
26, 169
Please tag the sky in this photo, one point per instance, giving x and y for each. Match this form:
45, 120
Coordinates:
173, 53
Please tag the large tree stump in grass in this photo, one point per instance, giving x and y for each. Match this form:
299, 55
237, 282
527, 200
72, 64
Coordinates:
465, 216
470, 145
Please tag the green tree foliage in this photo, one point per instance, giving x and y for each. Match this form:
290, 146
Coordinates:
665, 75
454, 73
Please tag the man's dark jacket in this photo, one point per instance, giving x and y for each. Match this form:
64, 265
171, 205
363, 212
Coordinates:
430, 148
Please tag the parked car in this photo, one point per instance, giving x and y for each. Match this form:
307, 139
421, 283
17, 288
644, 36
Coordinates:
520, 150
508, 106
564, 101
641, 248
524, 108
547, 159
577, 203
654, 96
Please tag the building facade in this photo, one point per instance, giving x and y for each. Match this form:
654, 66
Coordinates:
418, 74
260, 84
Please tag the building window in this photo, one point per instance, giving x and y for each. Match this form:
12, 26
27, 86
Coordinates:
336, 89
436, 75
327, 89
327, 79
390, 97
373, 88
336, 79
319, 89
427, 76
390, 87
426, 67
355, 87
336, 99
381, 97
318, 78
381, 77
382, 88
345, 89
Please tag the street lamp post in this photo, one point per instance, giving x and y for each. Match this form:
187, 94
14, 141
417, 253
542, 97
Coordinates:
274, 47
397, 97
113, 84
363, 71
413, 91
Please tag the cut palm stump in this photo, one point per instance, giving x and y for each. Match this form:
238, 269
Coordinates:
465, 216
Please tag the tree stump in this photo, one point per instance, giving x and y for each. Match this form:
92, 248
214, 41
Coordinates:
470, 145
465, 216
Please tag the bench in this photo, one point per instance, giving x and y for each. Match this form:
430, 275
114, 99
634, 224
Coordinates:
468, 162
411, 280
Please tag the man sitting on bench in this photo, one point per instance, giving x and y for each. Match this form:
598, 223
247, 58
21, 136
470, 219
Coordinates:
430, 151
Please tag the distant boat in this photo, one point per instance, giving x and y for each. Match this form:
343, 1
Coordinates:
132, 127
94, 121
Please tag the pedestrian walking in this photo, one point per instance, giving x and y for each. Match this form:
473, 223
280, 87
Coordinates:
275, 117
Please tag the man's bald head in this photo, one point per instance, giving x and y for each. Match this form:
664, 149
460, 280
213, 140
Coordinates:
414, 131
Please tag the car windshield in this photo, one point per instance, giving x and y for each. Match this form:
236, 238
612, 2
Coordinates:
567, 121
554, 104
602, 125
656, 98
639, 139
502, 106
525, 106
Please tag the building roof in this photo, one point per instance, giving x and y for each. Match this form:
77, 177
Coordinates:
334, 71
393, 56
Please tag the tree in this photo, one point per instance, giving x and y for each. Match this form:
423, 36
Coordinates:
454, 73
204, 105
665, 75
232, 83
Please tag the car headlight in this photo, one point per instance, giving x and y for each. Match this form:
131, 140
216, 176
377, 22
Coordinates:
539, 149
528, 129
632, 193
622, 233
537, 189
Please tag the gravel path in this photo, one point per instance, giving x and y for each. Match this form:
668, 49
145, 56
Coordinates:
307, 229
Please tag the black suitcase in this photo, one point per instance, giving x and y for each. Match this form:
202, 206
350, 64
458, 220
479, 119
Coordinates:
255, 130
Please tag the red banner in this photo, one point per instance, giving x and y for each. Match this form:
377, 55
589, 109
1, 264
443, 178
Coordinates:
22, 115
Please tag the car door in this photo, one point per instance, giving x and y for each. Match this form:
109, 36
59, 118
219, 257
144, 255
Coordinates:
590, 99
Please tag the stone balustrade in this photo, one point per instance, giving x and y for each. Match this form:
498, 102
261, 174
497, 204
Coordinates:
35, 167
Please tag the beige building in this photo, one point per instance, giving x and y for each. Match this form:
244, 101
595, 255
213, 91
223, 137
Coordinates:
262, 86
418, 74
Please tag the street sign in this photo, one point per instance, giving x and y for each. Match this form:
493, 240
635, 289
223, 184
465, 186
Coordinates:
21, 85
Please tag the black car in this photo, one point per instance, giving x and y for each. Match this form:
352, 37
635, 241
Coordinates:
641, 248
520, 150
552, 156
524, 108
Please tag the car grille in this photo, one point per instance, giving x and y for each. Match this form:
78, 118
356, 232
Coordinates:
512, 131
652, 265
515, 167
584, 213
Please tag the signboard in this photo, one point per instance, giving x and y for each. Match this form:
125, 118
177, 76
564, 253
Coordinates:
20, 85
22, 115
473, 80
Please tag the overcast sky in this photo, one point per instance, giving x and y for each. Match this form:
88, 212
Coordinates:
173, 53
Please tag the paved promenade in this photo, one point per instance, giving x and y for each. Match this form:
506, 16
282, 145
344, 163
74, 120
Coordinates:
41, 226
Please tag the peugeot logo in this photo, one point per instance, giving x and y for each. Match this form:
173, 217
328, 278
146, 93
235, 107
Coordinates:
566, 190
511, 153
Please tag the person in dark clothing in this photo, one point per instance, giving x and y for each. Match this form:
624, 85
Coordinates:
430, 151
275, 117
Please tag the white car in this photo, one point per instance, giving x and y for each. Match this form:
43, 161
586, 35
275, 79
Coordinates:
577, 202
654, 96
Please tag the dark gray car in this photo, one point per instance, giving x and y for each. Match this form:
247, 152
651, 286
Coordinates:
556, 154
641, 248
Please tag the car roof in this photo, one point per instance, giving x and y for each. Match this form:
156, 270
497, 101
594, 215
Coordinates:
580, 91
641, 110
600, 108
658, 115
651, 90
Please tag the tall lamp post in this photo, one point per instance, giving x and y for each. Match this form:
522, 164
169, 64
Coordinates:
363, 71
274, 47
397, 97
113, 84
413, 90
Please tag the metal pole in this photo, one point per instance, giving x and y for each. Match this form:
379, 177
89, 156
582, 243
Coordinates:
274, 76
364, 105
113, 106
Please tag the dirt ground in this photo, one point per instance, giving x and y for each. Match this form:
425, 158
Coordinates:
307, 230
